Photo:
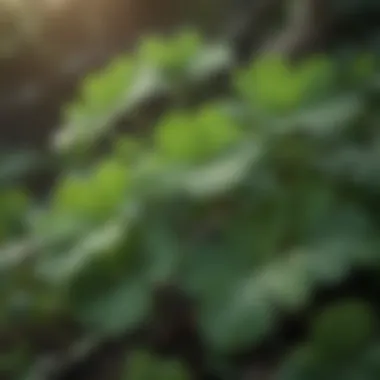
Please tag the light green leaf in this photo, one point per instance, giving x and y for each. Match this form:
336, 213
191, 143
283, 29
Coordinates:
221, 175
273, 84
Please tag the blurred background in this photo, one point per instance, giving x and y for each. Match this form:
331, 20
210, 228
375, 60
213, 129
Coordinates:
189, 189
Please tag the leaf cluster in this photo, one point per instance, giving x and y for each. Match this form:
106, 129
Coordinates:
250, 204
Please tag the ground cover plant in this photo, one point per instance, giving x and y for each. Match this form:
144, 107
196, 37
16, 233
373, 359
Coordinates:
235, 235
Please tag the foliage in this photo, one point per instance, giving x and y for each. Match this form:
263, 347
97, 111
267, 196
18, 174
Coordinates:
251, 204
143, 366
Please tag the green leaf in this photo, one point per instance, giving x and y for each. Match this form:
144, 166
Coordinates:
343, 329
303, 364
163, 250
327, 118
144, 366
244, 322
213, 59
116, 309
364, 67
185, 138
100, 244
221, 175
104, 94
170, 54
14, 205
273, 84
370, 361
95, 194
